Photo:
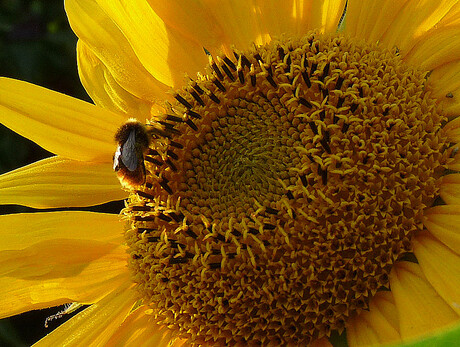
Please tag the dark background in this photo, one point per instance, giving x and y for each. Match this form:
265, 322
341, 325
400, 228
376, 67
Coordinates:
38, 46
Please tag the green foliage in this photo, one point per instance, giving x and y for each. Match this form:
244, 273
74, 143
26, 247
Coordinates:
445, 338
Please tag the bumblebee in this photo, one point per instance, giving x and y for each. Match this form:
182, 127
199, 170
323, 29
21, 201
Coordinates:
128, 161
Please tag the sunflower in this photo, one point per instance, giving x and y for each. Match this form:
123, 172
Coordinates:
285, 181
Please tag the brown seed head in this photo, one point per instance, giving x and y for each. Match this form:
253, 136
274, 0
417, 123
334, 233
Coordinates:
285, 185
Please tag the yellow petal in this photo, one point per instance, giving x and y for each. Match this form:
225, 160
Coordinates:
299, 17
195, 21
443, 222
450, 189
379, 325
452, 130
454, 162
409, 29
48, 259
276, 18
140, 329
104, 90
446, 87
240, 21
359, 333
330, 13
247, 22
369, 19
421, 310
399, 23
62, 125
95, 325
441, 267
30, 285
22, 230
52, 259
101, 34
441, 46
116, 32
383, 318
162, 50
384, 303
60, 182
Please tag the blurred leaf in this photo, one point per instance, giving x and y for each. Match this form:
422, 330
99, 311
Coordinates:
447, 337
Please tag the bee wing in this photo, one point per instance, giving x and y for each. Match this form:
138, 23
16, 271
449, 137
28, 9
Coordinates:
129, 155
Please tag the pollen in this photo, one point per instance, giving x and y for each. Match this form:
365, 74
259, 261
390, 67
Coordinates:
281, 187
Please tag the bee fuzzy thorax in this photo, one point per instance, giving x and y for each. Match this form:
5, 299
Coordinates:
128, 160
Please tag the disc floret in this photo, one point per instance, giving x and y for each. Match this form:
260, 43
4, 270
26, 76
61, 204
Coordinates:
281, 187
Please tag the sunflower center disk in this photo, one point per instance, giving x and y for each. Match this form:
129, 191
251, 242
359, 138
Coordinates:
281, 189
